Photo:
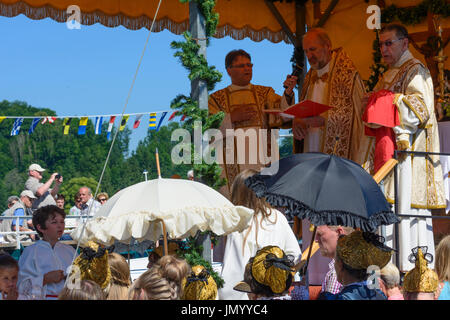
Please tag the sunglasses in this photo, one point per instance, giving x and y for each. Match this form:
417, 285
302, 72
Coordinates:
101, 200
388, 43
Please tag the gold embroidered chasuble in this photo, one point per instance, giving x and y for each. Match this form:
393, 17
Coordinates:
243, 108
410, 80
343, 89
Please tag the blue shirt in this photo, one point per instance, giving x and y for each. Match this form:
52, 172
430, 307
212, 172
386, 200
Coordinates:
445, 293
17, 213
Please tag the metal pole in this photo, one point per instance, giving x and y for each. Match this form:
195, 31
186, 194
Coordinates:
396, 206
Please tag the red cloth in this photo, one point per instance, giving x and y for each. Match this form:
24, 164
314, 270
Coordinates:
381, 111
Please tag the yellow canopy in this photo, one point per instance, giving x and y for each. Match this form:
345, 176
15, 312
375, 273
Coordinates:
238, 19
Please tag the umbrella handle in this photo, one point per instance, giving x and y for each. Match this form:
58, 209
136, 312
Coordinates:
305, 268
157, 164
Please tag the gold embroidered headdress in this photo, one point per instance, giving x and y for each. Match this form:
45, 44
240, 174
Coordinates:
359, 250
420, 279
270, 267
93, 264
200, 285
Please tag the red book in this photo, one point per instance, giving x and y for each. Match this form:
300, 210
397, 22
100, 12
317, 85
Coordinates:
304, 109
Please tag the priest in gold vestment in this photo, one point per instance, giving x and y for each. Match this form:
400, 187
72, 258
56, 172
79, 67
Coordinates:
420, 178
332, 80
243, 104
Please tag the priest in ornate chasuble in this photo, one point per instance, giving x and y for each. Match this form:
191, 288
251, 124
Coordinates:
332, 80
243, 104
420, 178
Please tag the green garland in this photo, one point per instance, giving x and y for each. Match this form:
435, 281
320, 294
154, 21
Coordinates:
415, 15
377, 68
198, 68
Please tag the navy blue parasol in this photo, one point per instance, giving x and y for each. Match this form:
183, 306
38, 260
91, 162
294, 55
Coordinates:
325, 189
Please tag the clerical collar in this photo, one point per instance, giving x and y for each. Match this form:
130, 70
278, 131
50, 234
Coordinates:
326, 68
234, 87
405, 57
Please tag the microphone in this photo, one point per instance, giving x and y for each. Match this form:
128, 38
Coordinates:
295, 73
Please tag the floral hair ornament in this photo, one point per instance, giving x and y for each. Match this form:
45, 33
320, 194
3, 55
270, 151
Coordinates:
359, 250
93, 264
200, 285
421, 278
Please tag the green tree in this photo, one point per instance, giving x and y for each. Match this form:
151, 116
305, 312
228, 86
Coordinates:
286, 146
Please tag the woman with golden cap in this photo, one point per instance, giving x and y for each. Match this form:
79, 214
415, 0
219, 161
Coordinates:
268, 227
200, 285
356, 255
268, 275
421, 282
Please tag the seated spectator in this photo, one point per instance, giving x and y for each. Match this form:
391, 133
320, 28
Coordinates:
355, 253
442, 268
421, 282
11, 201
5, 224
390, 282
200, 285
9, 270
60, 200
87, 290
102, 197
20, 209
163, 281
268, 227
120, 277
44, 263
268, 275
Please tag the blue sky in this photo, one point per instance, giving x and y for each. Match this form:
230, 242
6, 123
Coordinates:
89, 71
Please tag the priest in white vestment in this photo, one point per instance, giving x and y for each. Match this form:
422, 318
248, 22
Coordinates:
420, 178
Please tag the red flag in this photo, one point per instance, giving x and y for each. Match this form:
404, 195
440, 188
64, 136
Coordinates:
49, 119
173, 115
183, 117
137, 122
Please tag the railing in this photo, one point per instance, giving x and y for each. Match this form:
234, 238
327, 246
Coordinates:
17, 233
396, 206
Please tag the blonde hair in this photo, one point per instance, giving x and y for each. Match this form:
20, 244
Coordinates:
88, 290
442, 263
120, 277
241, 195
163, 281
390, 275
102, 194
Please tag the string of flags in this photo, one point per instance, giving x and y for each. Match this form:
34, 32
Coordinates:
153, 123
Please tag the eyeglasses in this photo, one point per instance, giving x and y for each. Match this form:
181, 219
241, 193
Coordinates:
101, 200
388, 43
250, 65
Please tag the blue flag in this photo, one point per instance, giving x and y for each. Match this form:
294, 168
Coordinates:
152, 121
161, 120
98, 125
33, 125
16, 126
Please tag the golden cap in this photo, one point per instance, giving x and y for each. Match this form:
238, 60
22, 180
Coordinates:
200, 285
172, 249
93, 264
359, 250
271, 267
421, 278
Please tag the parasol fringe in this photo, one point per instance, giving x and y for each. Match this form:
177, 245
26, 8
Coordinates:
329, 217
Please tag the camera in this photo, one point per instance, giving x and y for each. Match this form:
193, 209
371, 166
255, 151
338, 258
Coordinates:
58, 176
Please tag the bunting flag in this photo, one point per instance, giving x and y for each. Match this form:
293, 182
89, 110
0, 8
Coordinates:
16, 126
161, 120
49, 119
183, 117
98, 125
173, 115
2, 118
137, 122
82, 125
152, 121
33, 125
66, 124
123, 123
110, 126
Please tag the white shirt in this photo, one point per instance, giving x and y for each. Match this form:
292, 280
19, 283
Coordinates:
39, 259
274, 234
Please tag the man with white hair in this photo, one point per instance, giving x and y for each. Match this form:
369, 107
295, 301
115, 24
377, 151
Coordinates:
89, 206
44, 194
190, 175
20, 209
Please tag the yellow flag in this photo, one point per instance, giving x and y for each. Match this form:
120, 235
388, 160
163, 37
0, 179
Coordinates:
123, 123
2, 118
66, 123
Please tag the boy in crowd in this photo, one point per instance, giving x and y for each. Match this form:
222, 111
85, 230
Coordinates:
45, 263
8, 277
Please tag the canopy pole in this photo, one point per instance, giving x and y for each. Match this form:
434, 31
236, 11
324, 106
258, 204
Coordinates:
166, 248
309, 252
157, 165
